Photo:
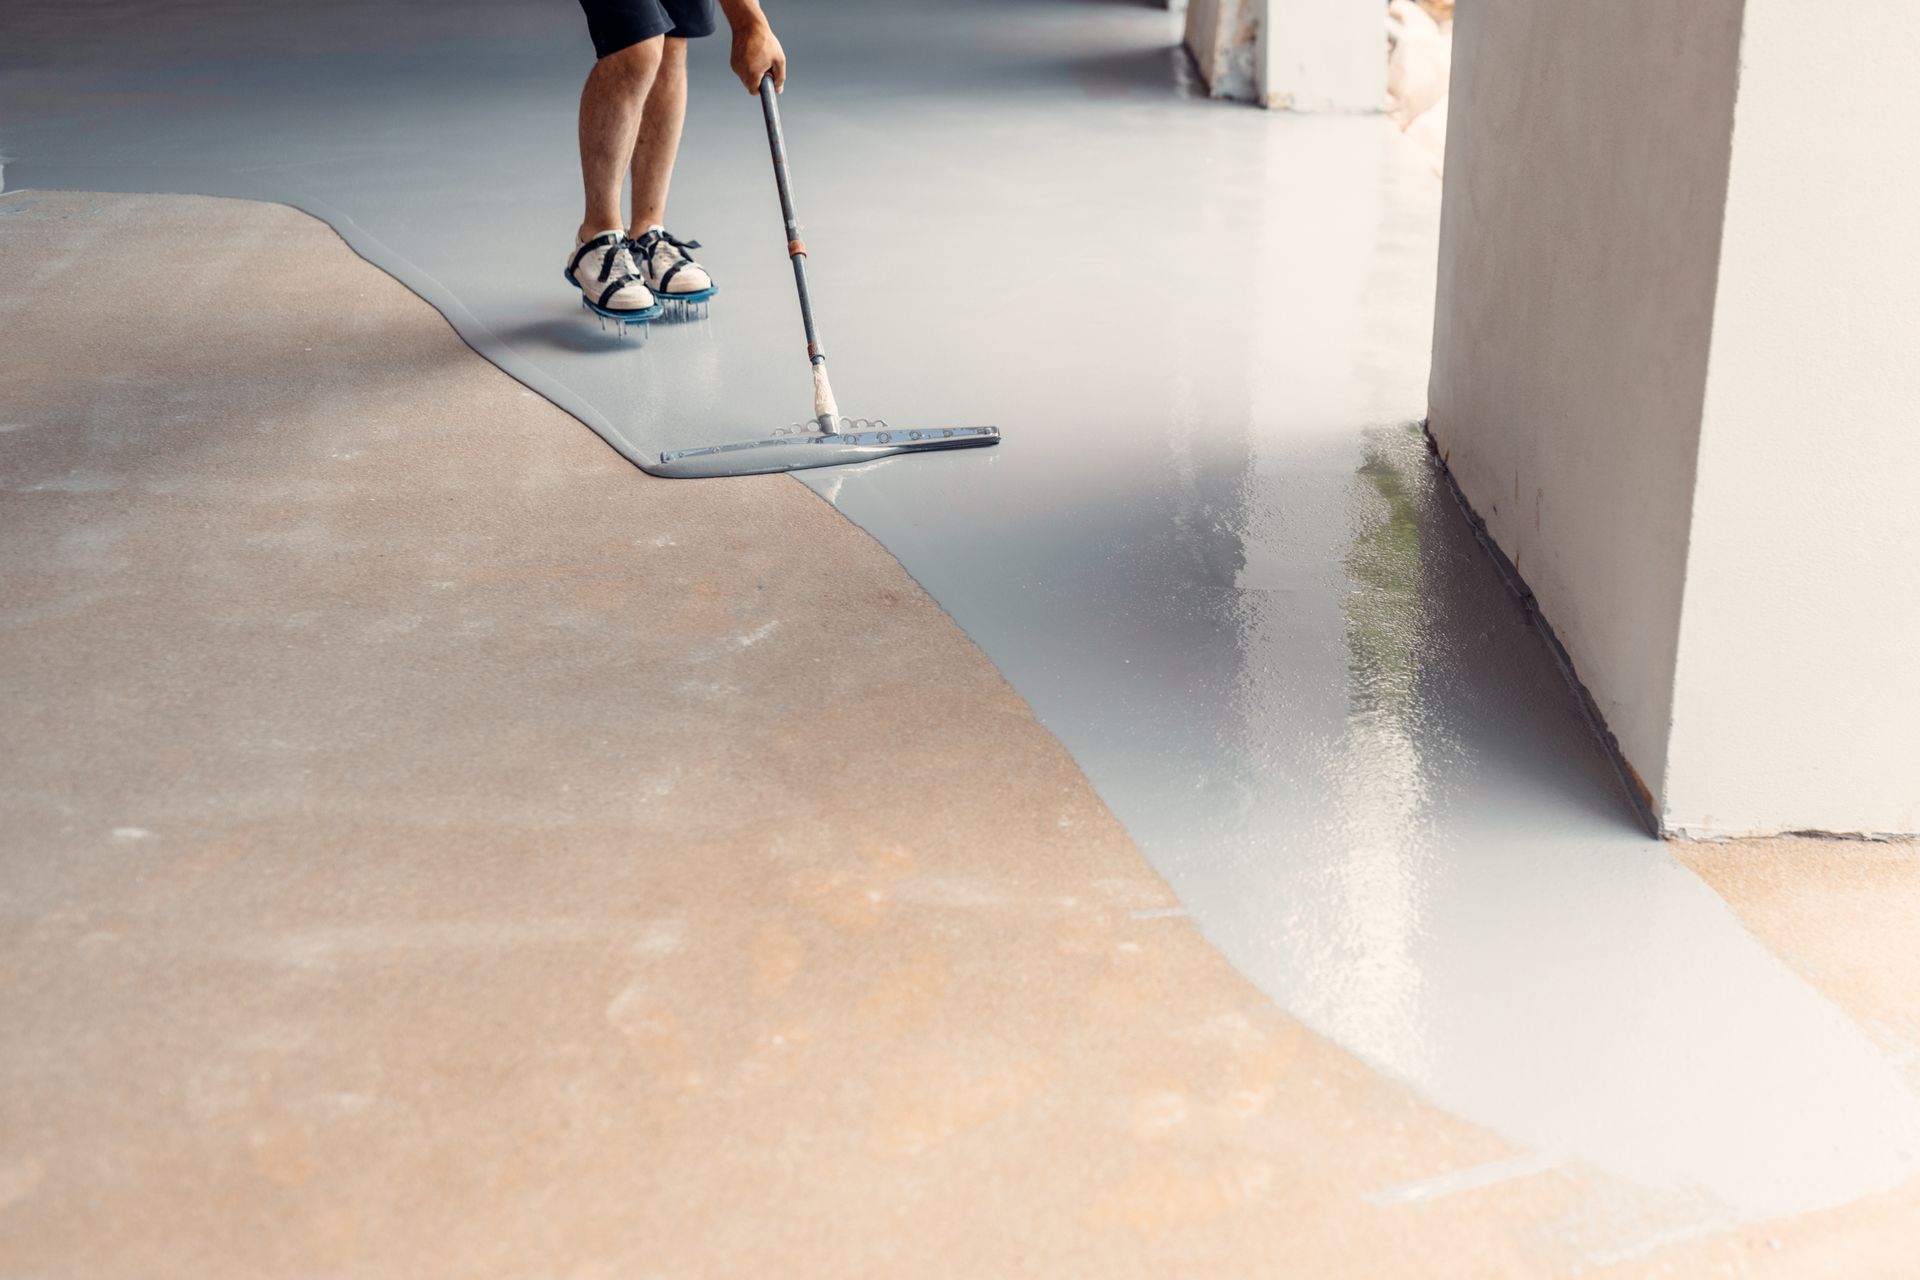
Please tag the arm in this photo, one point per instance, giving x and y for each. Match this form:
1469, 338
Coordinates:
755, 50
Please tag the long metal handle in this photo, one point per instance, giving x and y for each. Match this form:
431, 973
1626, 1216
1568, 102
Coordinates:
826, 413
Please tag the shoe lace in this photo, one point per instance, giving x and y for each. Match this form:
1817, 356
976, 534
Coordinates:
616, 258
650, 244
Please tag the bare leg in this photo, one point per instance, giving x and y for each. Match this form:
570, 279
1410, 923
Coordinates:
659, 138
610, 111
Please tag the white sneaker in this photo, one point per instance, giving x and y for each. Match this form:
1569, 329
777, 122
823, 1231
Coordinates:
609, 283
670, 270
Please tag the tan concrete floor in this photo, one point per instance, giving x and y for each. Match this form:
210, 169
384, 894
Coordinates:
431, 847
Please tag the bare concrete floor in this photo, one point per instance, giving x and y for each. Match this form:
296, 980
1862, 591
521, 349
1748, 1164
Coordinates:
433, 848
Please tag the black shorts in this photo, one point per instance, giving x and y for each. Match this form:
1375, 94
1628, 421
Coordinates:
618, 24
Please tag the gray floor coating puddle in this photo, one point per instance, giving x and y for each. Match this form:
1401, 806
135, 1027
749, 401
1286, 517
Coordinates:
1210, 553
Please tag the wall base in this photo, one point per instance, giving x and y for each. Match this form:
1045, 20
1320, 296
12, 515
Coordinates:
1631, 786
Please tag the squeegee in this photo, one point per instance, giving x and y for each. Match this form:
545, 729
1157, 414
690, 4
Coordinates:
829, 440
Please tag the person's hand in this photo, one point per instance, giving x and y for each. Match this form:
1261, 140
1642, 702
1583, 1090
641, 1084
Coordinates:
756, 52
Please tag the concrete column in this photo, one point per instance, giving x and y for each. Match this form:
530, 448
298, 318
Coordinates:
1302, 55
1674, 371
1222, 36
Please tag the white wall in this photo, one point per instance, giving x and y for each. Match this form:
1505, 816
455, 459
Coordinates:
1798, 692
1304, 55
1677, 370
1322, 55
1586, 166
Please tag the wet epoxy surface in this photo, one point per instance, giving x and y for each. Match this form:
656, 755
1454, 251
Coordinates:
1210, 552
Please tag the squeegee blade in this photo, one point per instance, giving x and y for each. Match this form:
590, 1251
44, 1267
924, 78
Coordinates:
820, 449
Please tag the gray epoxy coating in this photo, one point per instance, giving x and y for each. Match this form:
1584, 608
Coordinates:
1210, 552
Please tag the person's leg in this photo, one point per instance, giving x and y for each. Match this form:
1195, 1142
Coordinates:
611, 105
658, 141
